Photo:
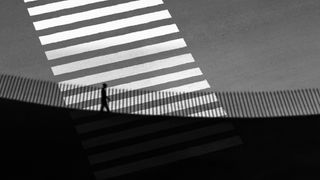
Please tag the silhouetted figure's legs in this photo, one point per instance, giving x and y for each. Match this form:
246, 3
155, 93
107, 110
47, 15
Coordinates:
104, 98
107, 107
101, 108
104, 106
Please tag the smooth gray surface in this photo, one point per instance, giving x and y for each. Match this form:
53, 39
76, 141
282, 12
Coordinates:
20, 49
253, 44
238, 44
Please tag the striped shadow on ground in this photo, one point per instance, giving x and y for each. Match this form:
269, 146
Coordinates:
125, 146
118, 146
118, 57
112, 41
132, 70
103, 137
83, 61
161, 79
169, 158
104, 27
95, 13
159, 143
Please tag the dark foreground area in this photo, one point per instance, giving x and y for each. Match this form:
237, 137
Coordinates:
39, 142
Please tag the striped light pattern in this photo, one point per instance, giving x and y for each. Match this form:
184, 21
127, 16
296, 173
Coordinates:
133, 45
93, 14
137, 38
104, 27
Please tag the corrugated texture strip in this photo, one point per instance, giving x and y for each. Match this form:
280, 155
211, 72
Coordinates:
235, 104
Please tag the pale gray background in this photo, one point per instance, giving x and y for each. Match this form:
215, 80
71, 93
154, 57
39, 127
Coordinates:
238, 44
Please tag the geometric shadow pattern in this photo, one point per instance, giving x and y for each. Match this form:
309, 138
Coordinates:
128, 44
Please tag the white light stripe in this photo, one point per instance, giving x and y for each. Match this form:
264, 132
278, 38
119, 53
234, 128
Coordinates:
112, 41
132, 70
119, 56
177, 106
104, 27
190, 87
95, 13
218, 112
29, 1
160, 79
60, 5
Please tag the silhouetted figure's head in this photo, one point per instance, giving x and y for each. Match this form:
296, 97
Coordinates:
104, 85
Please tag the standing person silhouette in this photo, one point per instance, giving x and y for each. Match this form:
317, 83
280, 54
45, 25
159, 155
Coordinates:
104, 98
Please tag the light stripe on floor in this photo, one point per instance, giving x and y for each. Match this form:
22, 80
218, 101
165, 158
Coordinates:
132, 70
112, 41
196, 86
29, 1
118, 57
148, 82
60, 5
210, 113
95, 13
159, 143
180, 105
168, 158
104, 27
